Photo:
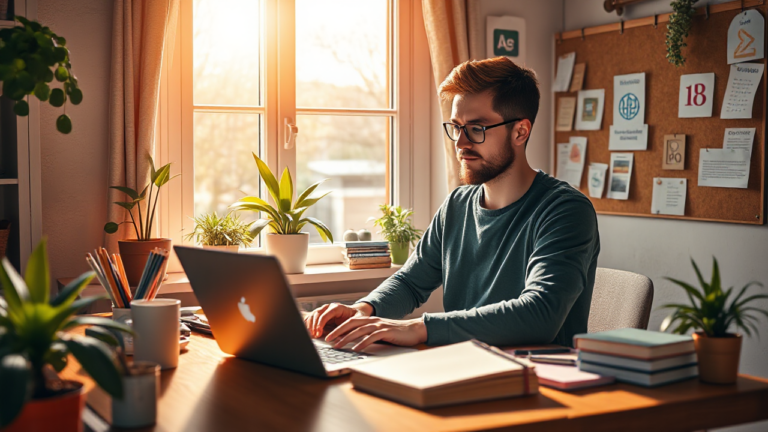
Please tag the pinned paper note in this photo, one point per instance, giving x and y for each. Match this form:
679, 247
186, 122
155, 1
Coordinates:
669, 196
596, 178
573, 165
740, 93
563, 149
589, 109
564, 72
674, 152
620, 175
739, 139
577, 82
565, 113
696, 95
629, 131
746, 36
724, 168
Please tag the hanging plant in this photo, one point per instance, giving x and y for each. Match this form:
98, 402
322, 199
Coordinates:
31, 56
678, 28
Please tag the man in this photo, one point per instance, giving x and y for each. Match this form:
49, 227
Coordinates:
515, 249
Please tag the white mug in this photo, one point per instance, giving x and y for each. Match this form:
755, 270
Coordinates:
156, 323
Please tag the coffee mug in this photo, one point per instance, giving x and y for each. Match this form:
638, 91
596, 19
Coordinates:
156, 323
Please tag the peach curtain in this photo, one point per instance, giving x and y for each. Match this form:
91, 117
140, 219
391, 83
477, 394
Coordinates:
454, 34
142, 37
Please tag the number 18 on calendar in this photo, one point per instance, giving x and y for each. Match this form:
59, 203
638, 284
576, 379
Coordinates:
696, 93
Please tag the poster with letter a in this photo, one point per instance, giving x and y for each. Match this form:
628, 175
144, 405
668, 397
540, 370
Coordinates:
505, 36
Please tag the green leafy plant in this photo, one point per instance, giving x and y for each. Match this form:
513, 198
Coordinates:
287, 217
157, 178
31, 56
34, 342
212, 230
709, 310
677, 30
396, 226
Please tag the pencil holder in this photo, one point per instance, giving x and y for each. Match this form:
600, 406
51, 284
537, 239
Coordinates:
141, 388
123, 316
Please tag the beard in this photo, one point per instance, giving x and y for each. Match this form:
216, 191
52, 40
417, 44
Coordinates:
489, 170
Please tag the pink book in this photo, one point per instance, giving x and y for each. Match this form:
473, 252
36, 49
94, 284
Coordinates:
568, 377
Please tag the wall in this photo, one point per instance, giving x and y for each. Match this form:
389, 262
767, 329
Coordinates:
74, 166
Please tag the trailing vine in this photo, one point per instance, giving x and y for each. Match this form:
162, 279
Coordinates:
677, 30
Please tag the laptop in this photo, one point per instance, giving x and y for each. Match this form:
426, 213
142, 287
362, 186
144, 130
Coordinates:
253, 315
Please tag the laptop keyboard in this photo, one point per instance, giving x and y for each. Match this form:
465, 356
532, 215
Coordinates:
333, 356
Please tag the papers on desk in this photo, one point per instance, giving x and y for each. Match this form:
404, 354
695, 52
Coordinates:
724, 168
740, 93
570, 160
739, 139
564, 72
669, 196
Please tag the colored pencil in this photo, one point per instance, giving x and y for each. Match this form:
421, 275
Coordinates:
123, 277
104, 260
155, 287
100, 276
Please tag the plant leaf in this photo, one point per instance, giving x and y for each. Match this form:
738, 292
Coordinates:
103, 335
16, 376
312, 201
715, 282
286, 191
163, 175
688, 288
256, 227
57, 356
128, 191
307, 192
37, 276
96, 321
269, 178
96, 358
14, 289
323, 230
126, 205
70, 292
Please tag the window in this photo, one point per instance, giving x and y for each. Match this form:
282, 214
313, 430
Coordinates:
340, 70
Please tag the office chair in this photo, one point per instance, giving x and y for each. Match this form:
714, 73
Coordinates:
620, 299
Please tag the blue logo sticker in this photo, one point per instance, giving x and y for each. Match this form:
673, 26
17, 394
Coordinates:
629, 106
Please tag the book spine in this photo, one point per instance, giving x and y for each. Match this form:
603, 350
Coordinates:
369, 266
368, 254
367, 244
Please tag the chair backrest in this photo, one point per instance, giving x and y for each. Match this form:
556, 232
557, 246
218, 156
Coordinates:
620, 299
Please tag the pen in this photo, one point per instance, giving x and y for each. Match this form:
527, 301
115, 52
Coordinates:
525, 352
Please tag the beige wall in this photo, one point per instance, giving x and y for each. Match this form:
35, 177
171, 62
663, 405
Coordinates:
74, 173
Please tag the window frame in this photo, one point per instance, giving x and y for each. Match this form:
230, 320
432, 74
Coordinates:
410, 112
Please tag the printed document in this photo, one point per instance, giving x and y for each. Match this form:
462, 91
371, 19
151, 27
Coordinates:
669, 196
724, 168
564, 72
739, 139
740, 93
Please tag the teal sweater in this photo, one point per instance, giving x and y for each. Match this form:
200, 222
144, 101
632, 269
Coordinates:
518, 275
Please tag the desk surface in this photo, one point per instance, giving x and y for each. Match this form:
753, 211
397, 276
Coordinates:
213, 391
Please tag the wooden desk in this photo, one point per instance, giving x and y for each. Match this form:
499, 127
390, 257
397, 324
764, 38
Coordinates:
211, 391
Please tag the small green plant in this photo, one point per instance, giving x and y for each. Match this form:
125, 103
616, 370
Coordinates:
31, 56
709, 310
677, 30
396, 226
34, 342
288, 216
157, 178
212, 230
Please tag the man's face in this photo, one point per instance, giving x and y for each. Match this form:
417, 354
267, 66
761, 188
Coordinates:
480, 163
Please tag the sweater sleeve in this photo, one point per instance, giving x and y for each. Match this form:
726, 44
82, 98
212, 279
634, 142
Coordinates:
557, 272
411, 286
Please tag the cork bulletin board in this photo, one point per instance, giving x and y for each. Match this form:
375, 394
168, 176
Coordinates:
639, 46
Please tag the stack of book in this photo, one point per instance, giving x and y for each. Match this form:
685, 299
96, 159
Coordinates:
366, 255
640, 357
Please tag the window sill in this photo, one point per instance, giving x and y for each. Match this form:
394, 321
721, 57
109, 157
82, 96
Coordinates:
314, 274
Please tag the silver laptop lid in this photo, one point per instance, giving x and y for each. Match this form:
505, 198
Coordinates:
250, 308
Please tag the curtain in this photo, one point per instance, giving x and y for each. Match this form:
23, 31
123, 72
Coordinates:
142, 37
454, 36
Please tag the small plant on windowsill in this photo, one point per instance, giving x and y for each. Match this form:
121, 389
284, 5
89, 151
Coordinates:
227, 233
398, 230
286, 219
710, 313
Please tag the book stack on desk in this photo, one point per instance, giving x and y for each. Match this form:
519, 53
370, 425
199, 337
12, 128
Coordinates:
366, 255
640, 357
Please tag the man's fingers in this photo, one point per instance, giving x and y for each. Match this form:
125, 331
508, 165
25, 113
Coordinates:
355, 334
332, 312
346, 326
315, 315
371, 338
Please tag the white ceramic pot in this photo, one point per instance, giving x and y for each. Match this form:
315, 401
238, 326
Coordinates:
141, 390
231, 248
290, 250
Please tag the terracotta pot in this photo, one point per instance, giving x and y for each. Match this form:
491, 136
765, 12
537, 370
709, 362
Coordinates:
62, 413
290, 249
230, 248
399, 252
718, 357
135, 253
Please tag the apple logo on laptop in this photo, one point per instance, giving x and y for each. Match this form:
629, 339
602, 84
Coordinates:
245, 310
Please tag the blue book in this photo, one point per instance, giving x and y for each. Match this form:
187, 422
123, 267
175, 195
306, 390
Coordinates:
646, 379
635, 343
365, 244
368, 254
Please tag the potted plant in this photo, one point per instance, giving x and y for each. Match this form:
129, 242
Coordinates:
31, 56
134, 252
285, 219
712, 316
227, 233
398, 230
34, 345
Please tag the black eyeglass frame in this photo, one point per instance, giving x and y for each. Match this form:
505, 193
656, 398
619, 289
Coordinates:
464, 129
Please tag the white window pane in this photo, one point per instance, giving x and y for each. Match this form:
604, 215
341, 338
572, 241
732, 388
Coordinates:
352, 153
223, 163
227, 52
341, 54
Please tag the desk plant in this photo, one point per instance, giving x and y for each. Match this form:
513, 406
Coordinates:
227, 232
134, 252
34, 345
398, 230
285, 219
712, 316
31, 57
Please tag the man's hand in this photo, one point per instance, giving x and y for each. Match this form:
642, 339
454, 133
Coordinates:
334, 314
372, 329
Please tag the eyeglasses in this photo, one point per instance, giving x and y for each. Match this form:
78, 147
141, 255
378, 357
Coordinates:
474, 133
